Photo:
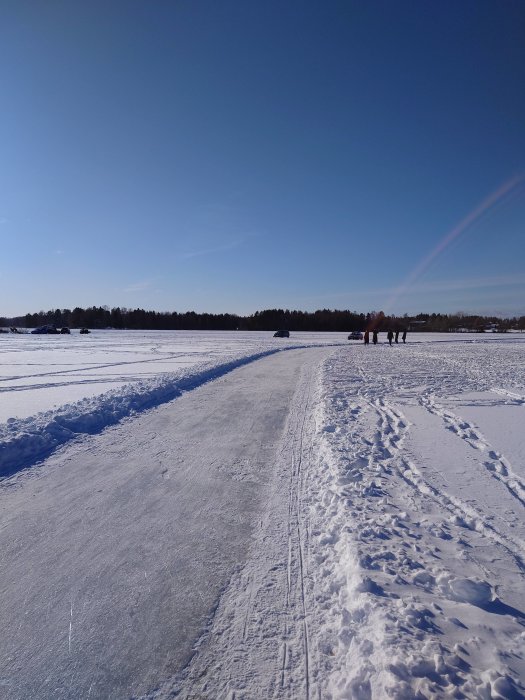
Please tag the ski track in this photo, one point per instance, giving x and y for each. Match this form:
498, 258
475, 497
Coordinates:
518, 399
496, 464
259, 642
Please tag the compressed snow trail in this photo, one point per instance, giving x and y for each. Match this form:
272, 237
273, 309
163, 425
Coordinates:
116, 550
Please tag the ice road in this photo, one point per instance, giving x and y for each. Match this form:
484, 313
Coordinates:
116, 550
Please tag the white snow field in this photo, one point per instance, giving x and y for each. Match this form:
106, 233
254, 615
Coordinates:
225, 515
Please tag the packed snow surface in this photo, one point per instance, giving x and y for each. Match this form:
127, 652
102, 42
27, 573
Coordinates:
229, 515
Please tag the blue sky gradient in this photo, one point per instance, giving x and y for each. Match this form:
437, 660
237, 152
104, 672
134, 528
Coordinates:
230, 156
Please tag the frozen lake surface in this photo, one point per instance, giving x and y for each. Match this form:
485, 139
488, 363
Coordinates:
205, 515
42, 372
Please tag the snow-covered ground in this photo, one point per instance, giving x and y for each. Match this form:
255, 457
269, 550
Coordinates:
365, 539
423, 496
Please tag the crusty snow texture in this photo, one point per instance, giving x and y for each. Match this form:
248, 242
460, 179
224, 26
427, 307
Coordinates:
420, 543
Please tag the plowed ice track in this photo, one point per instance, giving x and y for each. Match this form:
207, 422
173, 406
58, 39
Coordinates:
116, 549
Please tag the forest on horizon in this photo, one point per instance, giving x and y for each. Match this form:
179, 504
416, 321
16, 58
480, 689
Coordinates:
267, 320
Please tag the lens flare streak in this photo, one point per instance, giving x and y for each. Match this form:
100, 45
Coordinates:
511, 187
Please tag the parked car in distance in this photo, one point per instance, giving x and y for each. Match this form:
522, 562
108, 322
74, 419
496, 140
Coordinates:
45, 330
65, 331
85, 330
281, 334
355, 335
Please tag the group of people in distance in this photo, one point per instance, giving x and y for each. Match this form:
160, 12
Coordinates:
390, 335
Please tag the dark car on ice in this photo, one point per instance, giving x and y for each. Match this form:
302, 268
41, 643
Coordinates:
281, 334
45, 330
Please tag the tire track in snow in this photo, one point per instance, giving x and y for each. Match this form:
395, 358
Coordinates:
519, 399
394, 430
497, 465
464, 514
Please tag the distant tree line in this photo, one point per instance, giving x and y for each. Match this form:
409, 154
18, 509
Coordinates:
267, 320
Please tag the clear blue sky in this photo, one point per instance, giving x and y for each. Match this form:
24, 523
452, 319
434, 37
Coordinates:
235, 155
